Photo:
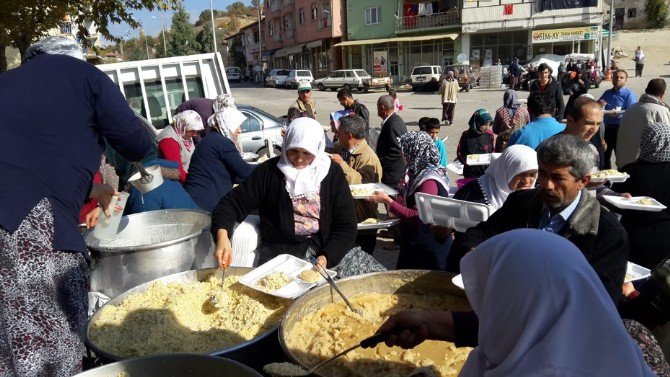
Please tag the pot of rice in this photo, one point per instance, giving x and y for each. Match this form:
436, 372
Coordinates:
319, 325
181, 365
168, 316
149, 245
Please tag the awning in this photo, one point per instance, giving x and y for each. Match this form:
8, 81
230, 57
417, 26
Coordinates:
289, 50
313, 44
451, 36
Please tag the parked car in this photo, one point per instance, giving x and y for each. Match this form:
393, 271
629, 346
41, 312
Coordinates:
345, 78
258, 127
277, 78
234, 74
426, 77
463, 74
381, 81
297, 75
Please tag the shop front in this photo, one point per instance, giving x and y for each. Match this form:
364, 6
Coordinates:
487, 48
584, 40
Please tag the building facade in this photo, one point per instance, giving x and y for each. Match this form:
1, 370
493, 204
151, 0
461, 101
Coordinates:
405, 34
300, 34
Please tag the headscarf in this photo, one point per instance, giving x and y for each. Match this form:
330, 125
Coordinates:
479, 118
543, 311
511, 102
655, 143
423, 160
495, 181
226, 119
55, 45
450, 75
187, 120
308, 134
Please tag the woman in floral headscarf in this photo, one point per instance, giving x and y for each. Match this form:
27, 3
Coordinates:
175, 142
478, 139
649, 176
418, 248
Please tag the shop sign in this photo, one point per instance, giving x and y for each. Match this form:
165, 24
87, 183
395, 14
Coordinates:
380, 62
565, 35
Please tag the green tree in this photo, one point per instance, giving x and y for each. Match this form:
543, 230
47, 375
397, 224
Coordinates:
204, 38
23, 22
182, 39
657, 13
239, 60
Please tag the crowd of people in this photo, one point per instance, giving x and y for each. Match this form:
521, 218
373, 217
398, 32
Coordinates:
548, 266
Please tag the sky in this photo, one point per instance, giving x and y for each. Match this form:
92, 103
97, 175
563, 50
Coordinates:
151, 21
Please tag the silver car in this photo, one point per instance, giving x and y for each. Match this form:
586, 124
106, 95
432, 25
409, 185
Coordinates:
345, 78
277, 78
258, 127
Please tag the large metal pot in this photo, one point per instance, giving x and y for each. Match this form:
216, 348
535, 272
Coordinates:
149, 245
178, 365
255, 353
419, 282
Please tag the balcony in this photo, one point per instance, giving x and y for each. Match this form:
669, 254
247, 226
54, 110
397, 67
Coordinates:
433, 21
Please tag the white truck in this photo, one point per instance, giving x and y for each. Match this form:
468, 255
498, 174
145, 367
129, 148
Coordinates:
155, 87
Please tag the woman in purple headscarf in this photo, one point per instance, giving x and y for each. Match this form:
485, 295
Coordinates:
509, 118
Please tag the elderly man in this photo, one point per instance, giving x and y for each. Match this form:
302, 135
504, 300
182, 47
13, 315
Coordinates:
563, 206
388, 146
541, 108
650, 109
617, 98
449, 89
360, 165
304, 102
546, 83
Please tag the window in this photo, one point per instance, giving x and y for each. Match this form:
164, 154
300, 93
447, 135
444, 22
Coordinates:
315, 11
632, 12
251, 124
350, 74
301, 16
373, 15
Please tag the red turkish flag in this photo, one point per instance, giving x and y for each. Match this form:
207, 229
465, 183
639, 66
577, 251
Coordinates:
508, 9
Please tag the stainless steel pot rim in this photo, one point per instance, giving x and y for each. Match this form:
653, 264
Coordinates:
204, 272
130, 249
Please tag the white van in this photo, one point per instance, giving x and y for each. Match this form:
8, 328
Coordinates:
155, 87
234, 74
426, 76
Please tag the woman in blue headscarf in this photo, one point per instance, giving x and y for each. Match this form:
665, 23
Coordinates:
477, 139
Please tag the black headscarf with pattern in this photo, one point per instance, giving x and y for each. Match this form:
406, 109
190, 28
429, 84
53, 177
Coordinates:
655, 143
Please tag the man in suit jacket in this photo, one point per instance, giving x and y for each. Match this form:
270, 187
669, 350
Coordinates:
388, 146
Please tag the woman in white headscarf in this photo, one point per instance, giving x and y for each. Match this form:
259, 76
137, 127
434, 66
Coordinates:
303, 200
515, 169
542, 312
216, 163
175, 142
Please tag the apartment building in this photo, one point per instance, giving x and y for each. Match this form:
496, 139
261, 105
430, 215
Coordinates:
301, 34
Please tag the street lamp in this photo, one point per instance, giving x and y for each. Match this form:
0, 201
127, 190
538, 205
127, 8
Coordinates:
163, 32
146, 41
211, 12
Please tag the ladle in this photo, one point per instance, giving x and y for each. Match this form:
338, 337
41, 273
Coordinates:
368, 342
320, 269
211, 303
146, 176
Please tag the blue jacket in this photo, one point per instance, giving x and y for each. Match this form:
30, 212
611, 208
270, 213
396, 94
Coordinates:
215, 165
535, 132
169, 195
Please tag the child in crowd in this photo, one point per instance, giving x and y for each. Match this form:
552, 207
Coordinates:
396, 102
432, 127
477, 139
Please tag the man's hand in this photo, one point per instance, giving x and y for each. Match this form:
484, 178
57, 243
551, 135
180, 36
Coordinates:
414, 326
336, 158
224, 249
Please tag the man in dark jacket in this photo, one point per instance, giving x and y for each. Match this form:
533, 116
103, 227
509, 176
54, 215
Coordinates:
563, 206
546, 83
388, 146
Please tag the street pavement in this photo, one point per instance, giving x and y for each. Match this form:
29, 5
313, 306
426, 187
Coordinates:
416, 105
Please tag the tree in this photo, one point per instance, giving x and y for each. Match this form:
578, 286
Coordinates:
239, 60
204, 38
657, 13
23, 22
182, 39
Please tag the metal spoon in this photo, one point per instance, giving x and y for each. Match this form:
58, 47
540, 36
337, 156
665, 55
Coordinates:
145, 176
320, 269
211, 304
368, 342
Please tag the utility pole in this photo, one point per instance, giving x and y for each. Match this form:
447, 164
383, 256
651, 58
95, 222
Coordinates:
260, 37
609, 36
146, 41
163, 32
211, 12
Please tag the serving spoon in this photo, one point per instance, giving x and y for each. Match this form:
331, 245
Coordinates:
320, 269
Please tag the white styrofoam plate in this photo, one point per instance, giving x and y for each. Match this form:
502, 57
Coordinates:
633, 203
459, 215
291, 267
381, 224
455, 167
481, 159
458, 281
636, 272
370, 188
622, 177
